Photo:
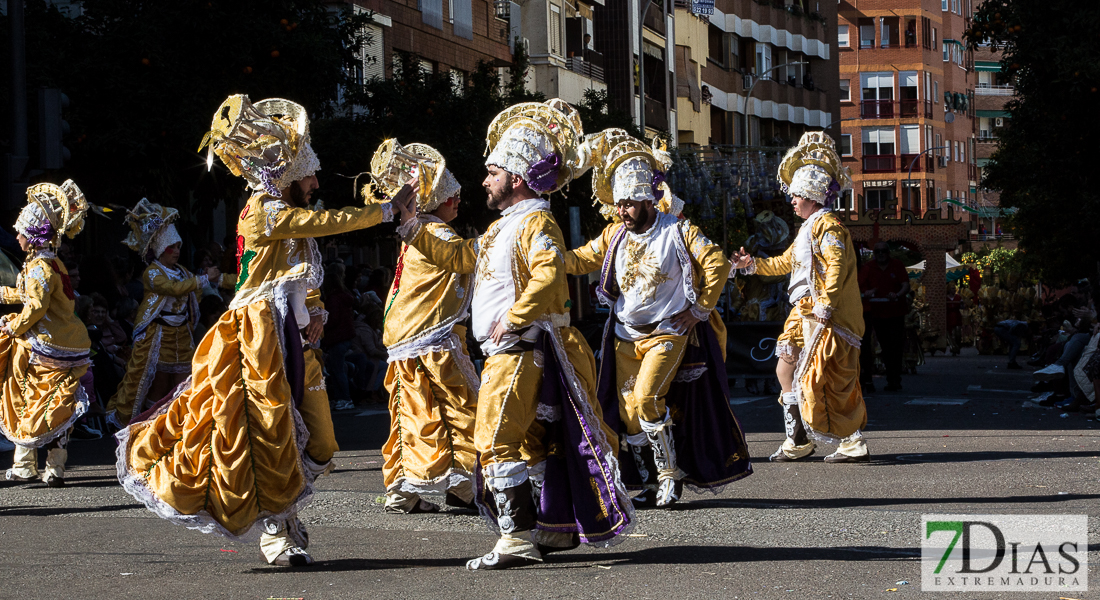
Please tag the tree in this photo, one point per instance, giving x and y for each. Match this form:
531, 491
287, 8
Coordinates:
1044, 165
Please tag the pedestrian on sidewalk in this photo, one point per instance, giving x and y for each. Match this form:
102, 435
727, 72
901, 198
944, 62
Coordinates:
883, 285
1013, 332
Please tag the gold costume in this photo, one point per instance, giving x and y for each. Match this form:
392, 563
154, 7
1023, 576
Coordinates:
44, 349
231, 452
431, 381
827, 378
158, 345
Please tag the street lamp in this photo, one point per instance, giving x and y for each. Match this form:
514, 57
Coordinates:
748, 96
909, 178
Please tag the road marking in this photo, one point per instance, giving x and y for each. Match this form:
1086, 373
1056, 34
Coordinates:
938, 401
736, 401
978, 388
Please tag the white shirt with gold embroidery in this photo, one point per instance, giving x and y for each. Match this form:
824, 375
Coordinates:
494, 283
651, 280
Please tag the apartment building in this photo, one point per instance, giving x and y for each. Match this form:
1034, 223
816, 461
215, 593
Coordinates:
907, 104
448, 36
992, 92
755, 72
635, 39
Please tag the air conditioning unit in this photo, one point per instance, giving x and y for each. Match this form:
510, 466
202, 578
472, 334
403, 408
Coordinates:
1000, 122
941, 161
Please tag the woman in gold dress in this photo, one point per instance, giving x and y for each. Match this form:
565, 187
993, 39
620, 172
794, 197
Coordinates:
44, 349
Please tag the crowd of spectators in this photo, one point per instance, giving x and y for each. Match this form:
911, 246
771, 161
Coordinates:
1067, 353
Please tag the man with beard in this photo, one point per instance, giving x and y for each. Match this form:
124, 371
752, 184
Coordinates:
662, 278
228, 451
547, 462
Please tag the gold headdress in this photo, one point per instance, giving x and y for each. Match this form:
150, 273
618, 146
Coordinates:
813, 170
537, 141
151, 229
625, 168
52, 211
393, 164
267, 142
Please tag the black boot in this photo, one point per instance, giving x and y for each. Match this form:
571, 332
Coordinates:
516, 518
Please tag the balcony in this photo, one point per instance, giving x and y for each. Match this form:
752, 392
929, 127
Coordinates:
879, 163
985, 89
585, 68
908, 108
927, 109
907, 159
876, 109
654, 18
985, 135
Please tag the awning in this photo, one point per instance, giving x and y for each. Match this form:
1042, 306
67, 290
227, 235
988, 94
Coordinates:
986, 66
990, 114
985, 212
954, 270
951, 41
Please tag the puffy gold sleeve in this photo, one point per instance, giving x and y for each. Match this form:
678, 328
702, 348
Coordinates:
590, 257
9, 295
283, 222
37, 281
453, 254
713, 266
228, 281
777, 265
541, 242
160, 283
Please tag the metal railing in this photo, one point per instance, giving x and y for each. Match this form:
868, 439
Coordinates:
585, 68
908, 158
985, 89
880, 163
876, 109
908, 108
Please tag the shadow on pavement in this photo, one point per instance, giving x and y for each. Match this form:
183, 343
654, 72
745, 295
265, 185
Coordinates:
34, 511
828, 503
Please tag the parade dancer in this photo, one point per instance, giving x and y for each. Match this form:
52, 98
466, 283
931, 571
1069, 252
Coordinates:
237, 448
163, 346
662, 278
548, 462
44, 348
431, 380
819, 347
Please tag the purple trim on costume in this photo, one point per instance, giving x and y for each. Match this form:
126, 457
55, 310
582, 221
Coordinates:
41, 235
658, 179
832, 193
608, 290
543, 175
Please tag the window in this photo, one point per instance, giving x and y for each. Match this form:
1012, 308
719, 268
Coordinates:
867, 35
842, 35
763, 60
910, 142
955, 6
944, 7
844, 201
927, 86
555, 29
845, 144
845, 90
962, 152
878, 141
958, 154
935, 92
717, 45
462, 15
907, 93
939, 144
946, 52
927, 137
432, 13
934, 42
878, 198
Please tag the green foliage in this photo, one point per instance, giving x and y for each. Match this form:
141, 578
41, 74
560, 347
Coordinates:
1043, 165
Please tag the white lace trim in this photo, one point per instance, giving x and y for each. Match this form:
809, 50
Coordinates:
82, 402
317, 310
784, 349
450, 343
58, 363
48, 349
831, 240
409, 230
147, 375
387, 212
823, 311
503, 475
449, 480
545, 412
700, 312
750, 269
689, 375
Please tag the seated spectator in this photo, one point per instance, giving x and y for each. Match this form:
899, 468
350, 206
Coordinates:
369, 354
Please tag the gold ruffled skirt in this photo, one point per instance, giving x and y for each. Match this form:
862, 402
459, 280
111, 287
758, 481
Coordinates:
226, 452
161, 348
42, 397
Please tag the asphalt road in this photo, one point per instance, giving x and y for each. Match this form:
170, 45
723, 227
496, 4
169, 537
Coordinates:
957, 439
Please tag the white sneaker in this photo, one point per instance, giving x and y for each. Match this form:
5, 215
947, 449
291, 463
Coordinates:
1050, 373
345, 405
